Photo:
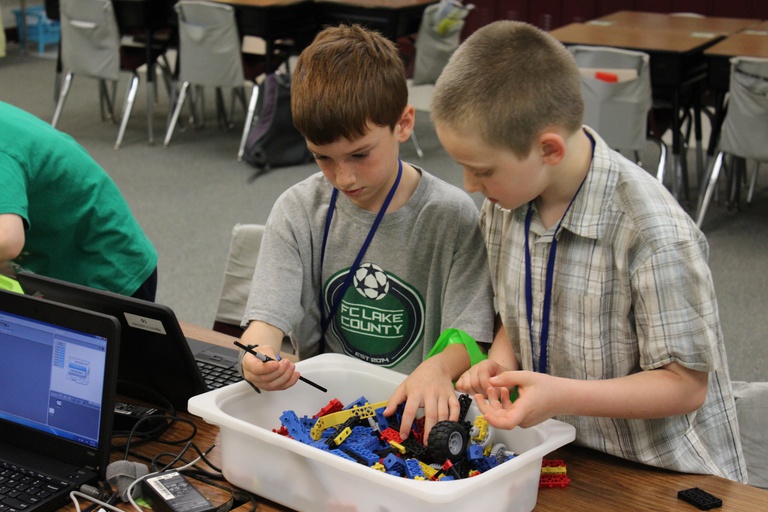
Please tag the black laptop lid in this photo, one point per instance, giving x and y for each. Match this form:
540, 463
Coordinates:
156, 363
57, 385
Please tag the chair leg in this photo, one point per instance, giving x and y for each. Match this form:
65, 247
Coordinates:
416, 145
62, 99
752, 183
711, 183
221, 109
662, 161
107, 101
176, 111
248, 121
130, 97
151, 90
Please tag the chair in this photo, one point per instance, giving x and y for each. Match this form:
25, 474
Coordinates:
210, 55
91, 46
745, 127
420, 97
238, 274
438, 37
752, 411
616, 85
39, 27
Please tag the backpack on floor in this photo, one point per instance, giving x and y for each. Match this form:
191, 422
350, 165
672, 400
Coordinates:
273, 140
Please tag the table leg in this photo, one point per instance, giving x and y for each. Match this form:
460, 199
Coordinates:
150, 86
23, 29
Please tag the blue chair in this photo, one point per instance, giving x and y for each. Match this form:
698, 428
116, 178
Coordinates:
38, 27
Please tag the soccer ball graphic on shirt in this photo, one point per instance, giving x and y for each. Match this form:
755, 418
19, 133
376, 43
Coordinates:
371, 281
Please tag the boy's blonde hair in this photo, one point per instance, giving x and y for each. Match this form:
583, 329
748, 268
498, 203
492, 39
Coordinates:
348, 77
509, 81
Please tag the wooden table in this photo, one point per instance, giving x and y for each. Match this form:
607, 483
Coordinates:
677, 66
693, 24
598, 481
751, 42
392, 18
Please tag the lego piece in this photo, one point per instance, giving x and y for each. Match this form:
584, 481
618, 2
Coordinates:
700, 499
413, 469
295, 430
554, 480
333, 406
448, 440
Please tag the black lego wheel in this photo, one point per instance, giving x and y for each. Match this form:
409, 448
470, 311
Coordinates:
448, 440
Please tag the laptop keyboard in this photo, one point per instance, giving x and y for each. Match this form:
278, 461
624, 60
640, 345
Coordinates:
216, 376
22, 488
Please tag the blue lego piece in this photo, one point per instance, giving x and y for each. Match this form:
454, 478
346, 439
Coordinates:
475, 452
359, 402
381, 420
341, 454
413, 468
291, 422
485, 464
307, 422
393, 463
364, 454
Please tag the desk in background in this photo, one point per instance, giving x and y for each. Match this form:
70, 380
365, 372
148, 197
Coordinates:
752, 42
676, 47
392, 18
693, 24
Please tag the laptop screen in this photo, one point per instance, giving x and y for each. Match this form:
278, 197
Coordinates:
52, 378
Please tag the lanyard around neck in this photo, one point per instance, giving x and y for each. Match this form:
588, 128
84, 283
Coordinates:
544, 338
325, 321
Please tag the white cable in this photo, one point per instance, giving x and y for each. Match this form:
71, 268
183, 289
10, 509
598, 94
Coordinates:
129, 491
75, 494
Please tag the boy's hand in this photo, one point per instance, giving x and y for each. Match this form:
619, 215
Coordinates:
272, 375
428, 387
476, 379
537, 401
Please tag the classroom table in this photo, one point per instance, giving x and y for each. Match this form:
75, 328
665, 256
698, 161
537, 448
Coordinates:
751, 42
273, 20
392, 18
660, 21
675, 45
597, 481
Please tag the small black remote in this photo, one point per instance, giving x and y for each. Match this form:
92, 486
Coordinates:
127, 415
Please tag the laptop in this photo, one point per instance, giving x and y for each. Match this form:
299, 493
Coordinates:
57, 394
158, 364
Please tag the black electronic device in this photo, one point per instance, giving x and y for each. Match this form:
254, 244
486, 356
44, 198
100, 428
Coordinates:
155, 356
172, 492
128, 415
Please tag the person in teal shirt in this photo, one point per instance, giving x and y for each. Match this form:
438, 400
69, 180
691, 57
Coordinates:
62, 216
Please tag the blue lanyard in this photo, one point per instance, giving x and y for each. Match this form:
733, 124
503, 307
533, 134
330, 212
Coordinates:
542, 366
325, 321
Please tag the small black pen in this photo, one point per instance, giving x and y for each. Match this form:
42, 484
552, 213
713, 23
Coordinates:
264, 358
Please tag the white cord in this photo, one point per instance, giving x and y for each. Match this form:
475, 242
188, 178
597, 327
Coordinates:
129, 491
75, 494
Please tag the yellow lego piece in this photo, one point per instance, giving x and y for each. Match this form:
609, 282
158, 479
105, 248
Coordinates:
336, 418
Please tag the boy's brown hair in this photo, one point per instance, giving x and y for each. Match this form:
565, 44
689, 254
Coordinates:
347, 78
509, 81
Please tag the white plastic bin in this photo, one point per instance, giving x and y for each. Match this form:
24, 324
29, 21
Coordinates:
305, 478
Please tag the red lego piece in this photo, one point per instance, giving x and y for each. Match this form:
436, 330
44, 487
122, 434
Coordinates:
333, 406
283, 431
552, 463
554, 480
418, 430
390, 434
